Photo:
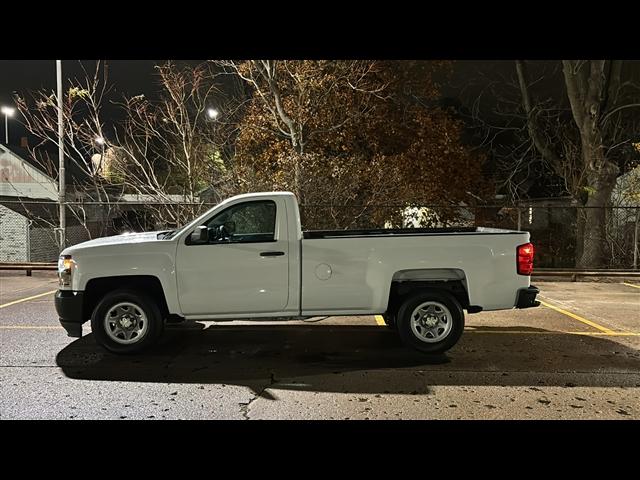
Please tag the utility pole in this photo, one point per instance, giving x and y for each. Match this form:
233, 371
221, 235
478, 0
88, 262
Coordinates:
61, 173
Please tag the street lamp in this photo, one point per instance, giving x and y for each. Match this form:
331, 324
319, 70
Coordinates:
212, 113
100, 141
8, 112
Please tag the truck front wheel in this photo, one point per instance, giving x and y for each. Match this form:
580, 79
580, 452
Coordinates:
390, 320
431, 322
126, 321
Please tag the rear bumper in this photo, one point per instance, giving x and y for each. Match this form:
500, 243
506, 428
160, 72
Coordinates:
527, 297
69, 307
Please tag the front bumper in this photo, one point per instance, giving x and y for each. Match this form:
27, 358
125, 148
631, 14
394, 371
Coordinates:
527, 297
69, 307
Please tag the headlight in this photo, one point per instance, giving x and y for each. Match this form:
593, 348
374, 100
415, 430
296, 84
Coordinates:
65, 266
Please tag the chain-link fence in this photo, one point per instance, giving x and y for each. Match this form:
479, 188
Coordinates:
565, 236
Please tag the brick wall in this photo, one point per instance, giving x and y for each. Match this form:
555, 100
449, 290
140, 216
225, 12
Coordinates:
13, 236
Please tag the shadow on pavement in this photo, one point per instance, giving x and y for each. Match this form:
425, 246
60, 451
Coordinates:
355, 359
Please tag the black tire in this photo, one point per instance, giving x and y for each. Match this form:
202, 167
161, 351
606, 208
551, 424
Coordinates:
146, 304
411, 339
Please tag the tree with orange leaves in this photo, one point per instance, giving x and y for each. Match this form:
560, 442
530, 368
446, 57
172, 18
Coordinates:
350, 136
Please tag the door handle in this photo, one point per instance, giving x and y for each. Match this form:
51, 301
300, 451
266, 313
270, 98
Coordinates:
271, 254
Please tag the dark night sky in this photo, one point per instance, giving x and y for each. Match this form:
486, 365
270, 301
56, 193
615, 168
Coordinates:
134, 77
131, 77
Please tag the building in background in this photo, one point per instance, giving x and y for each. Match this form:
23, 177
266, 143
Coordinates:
29, 209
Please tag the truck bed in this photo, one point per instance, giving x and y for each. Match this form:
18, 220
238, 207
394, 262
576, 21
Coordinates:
319, 234
351, 271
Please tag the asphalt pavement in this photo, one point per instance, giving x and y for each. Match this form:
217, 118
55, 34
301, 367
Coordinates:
577, 356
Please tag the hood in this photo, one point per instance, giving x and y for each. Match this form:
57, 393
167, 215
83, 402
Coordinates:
122, 239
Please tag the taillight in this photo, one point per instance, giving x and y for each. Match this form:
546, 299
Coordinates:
524, 260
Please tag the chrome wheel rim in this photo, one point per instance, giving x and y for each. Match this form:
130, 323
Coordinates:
431, 322
126, 323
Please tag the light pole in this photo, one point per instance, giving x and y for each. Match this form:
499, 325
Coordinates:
61, 172
100, 169
212, 113
8, 112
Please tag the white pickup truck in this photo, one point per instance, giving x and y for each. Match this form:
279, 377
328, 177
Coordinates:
248, 258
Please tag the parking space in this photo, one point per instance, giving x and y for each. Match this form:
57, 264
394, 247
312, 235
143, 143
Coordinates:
17, 287
577, 356
613, 306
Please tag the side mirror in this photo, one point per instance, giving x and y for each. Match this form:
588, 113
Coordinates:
200, 235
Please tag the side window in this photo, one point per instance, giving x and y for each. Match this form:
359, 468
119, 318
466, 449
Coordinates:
253, 221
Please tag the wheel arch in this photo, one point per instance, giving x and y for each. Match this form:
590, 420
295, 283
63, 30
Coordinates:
405, 283
98, 287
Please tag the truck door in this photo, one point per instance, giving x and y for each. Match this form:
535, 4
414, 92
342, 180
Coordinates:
244, 265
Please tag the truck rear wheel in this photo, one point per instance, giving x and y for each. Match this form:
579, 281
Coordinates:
431, 322
127, 321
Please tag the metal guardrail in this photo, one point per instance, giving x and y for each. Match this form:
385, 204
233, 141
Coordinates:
28, 266
574, 274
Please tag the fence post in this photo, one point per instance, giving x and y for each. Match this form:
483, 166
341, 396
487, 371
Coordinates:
28, 239
635, 240
519, 219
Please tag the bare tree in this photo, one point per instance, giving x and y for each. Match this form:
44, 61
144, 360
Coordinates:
174, 149
592, 157
81, 111
162, 154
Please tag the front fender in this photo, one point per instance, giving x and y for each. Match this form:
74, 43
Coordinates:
154, 259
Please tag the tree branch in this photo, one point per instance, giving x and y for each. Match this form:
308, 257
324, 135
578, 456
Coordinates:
534, 132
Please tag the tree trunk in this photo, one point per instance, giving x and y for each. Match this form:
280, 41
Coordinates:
297, 174
594, 241
586, 83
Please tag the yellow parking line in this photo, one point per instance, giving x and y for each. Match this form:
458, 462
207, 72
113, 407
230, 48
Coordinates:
27, 299
380, 321
578, 317
557, 332
28, 327
611, 334
631, 285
